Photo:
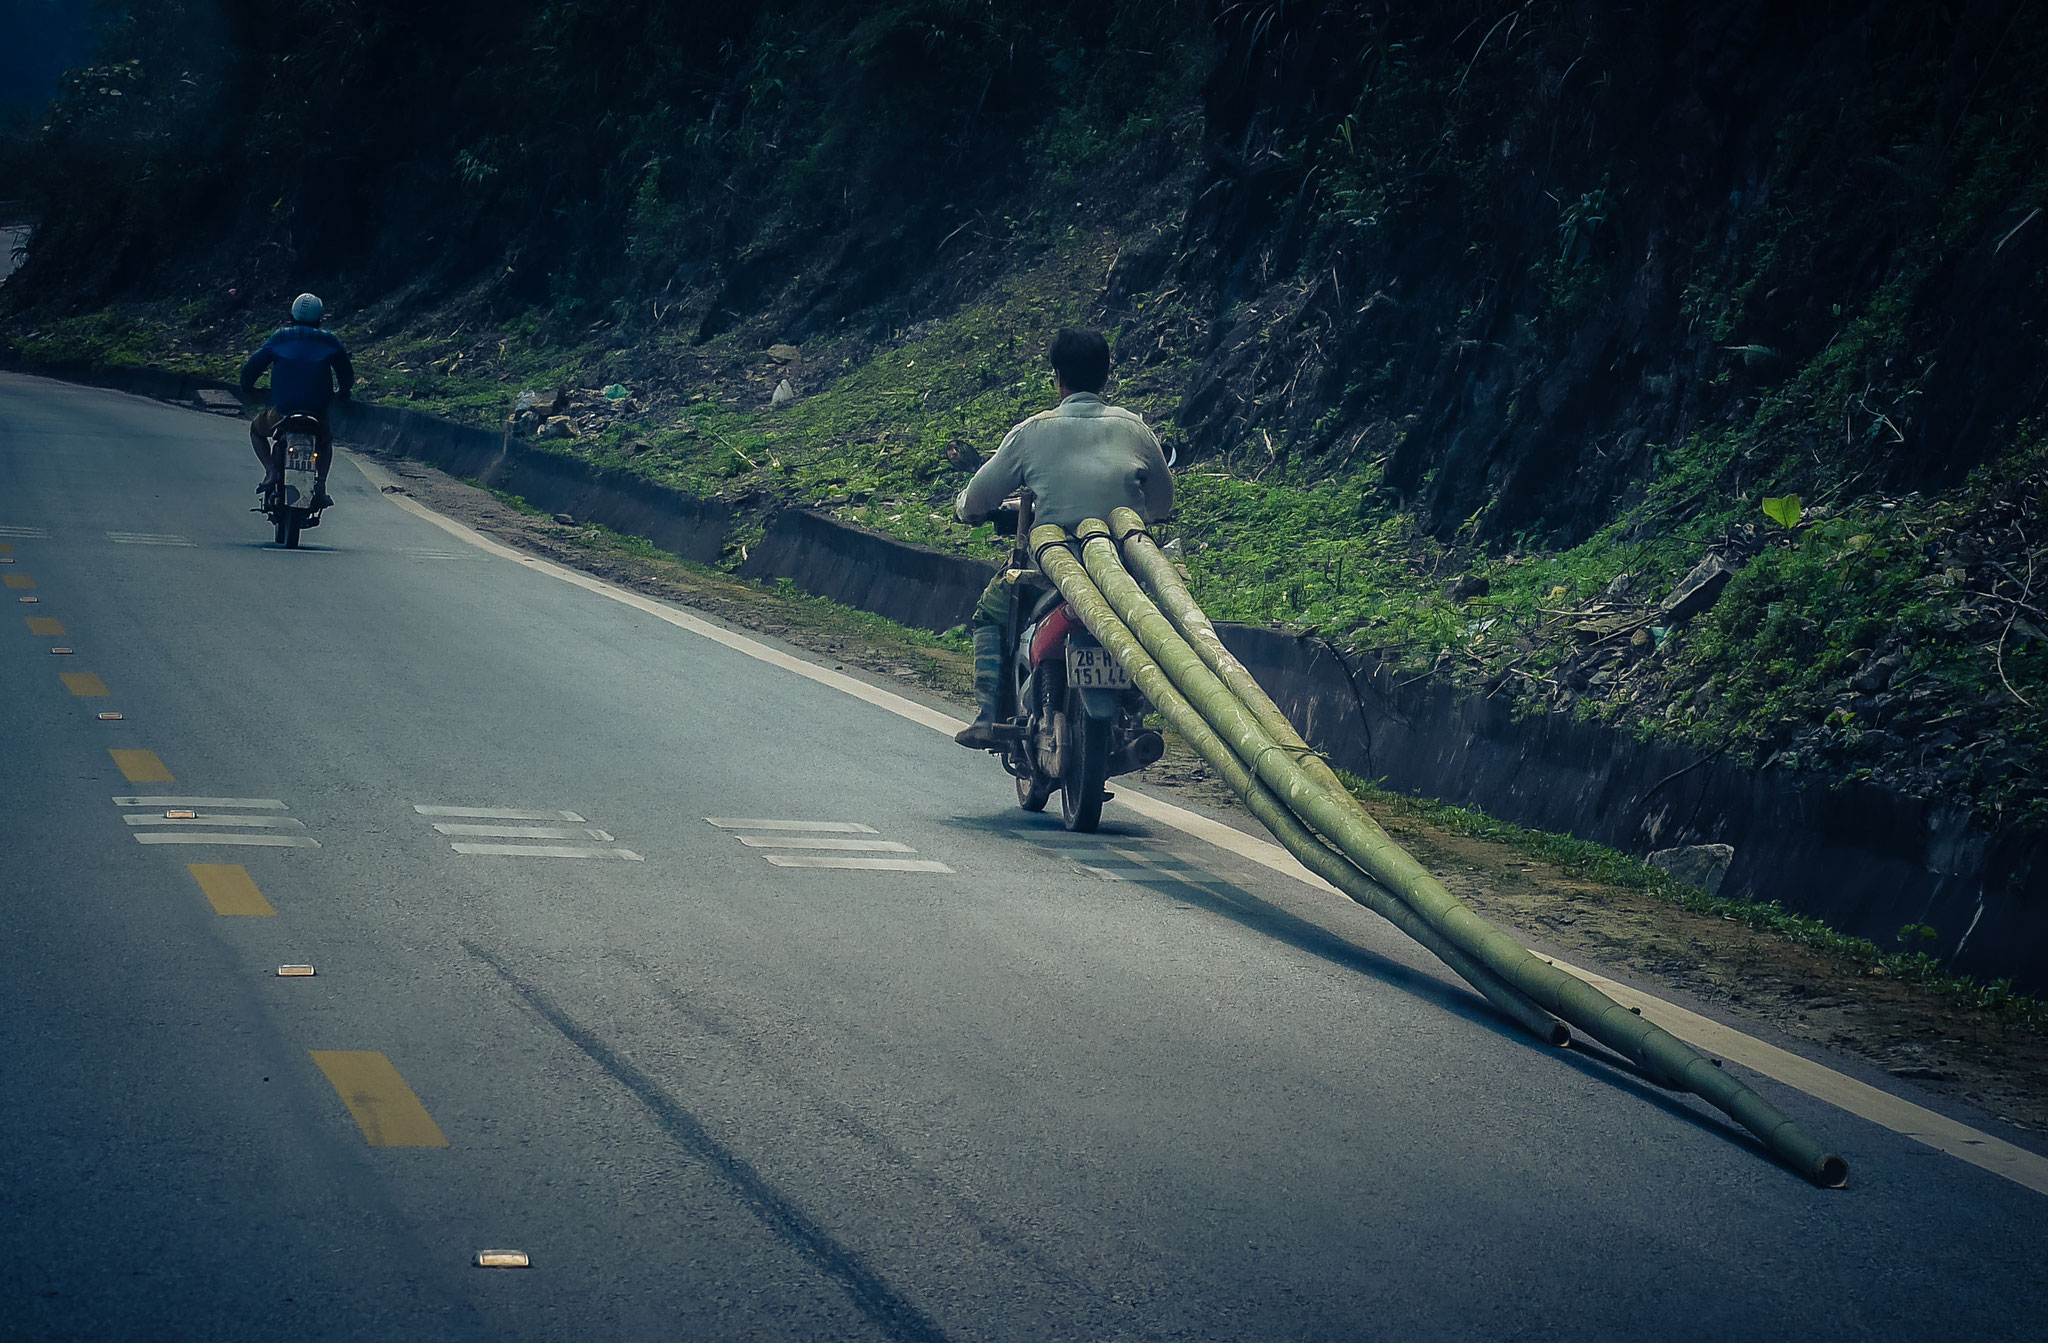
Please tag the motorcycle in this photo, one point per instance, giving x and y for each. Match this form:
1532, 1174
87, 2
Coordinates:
295, 501
1070, 717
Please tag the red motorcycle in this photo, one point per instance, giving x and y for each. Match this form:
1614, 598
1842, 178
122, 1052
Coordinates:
1070, 717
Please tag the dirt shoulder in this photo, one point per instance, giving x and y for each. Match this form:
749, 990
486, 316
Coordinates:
1912, 1033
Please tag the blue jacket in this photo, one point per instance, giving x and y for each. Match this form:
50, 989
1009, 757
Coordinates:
306, 365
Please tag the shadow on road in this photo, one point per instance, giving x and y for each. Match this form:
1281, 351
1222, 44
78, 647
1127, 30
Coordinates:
1205, 890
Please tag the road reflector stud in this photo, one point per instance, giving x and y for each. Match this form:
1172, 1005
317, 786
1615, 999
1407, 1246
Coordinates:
60, 650
30, 600
110, 718
294, 972
502, 1259
179, 815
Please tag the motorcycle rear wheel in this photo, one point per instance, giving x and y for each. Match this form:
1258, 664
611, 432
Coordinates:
1084, 768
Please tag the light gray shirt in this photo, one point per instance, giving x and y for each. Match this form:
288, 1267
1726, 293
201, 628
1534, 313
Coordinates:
1080, 459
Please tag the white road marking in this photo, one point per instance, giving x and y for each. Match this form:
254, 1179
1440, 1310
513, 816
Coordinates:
520, 831
545, 851
146, 539
820, 842
832, 827
245, 803
29, 533
444, 555
249, 822
254, 841
857, 864
1823, 1083
500, 813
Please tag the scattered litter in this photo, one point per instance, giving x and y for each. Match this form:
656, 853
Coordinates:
784, 393
616, 392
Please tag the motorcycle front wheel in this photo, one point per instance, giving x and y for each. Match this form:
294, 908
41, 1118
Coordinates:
1084, 766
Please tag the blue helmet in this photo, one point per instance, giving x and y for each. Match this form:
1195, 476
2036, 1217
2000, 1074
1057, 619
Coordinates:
308, 309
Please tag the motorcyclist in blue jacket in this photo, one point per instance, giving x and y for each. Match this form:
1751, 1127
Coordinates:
308, 367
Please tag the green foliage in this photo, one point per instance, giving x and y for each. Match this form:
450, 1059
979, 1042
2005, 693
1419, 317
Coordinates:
1783, 510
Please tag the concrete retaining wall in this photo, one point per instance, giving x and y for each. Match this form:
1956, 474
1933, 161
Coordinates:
1864, 859
911, 585
680, 523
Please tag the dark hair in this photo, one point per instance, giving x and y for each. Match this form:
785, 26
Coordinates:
1081, 358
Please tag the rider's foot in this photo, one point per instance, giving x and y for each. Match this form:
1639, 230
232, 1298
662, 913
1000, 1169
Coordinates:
979, 735
321, 500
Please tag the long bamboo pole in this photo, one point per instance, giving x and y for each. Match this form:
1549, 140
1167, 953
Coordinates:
1164, 585
1660, 1054
1315, 855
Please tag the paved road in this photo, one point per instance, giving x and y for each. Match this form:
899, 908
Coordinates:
1126, 1088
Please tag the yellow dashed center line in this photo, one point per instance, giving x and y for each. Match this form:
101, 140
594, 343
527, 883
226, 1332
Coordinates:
230, 889
45, 626
141, 767
6, 547
19, 581
85, 685
383, 1105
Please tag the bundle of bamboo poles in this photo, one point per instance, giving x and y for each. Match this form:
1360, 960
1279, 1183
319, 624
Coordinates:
1170, 649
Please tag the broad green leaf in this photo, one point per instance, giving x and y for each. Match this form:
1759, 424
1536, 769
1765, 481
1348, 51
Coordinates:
1783, 510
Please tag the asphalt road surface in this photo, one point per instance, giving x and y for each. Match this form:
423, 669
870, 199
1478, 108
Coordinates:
998, 1082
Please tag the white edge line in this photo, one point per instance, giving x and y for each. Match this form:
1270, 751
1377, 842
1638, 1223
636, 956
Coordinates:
1817, 1080
740, 643
1823, 1083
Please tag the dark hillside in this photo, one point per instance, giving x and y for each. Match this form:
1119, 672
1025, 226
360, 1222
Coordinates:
1477, 326
1531, 249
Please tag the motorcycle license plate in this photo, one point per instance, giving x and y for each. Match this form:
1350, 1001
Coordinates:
1095, 669
299, 487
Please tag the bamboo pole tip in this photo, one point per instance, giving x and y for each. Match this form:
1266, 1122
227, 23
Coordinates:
1092, 528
